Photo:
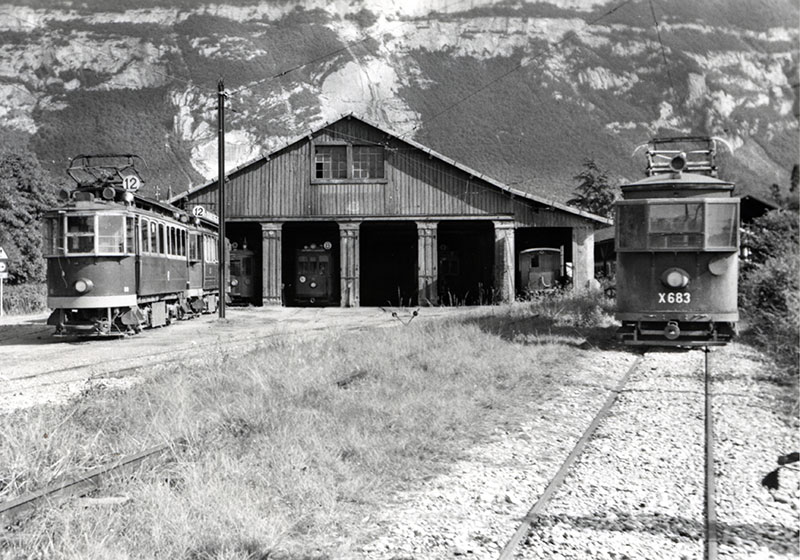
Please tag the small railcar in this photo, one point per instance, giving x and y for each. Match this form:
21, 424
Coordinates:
541, 269
242, 275
677, 243
314, 280
117, 261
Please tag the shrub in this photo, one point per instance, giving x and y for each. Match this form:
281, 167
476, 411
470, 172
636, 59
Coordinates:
20, 299
769, 286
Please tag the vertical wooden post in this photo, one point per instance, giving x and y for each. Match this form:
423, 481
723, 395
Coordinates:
583, 258
504, 260
223, 287
271, 264
427, 263
350, 264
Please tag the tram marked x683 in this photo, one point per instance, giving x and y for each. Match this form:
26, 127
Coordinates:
677, 243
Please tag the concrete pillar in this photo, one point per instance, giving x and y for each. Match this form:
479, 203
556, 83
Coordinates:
427, 263
350, 264
271, 264
583, 258
504, 259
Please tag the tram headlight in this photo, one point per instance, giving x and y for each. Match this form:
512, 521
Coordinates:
83, 285
313, 285
678, 163
302, 279
234, 282
675, 278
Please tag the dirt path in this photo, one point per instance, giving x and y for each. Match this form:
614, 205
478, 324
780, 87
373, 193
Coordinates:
38, 368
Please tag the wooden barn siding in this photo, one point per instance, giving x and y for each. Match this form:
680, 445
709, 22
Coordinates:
417, 185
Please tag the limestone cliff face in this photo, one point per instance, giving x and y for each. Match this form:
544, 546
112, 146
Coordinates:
524, 91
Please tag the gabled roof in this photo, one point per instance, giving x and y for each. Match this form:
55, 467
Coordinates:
503, 187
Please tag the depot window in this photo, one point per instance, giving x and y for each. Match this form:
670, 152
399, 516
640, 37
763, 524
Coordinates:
348, 162
674, 225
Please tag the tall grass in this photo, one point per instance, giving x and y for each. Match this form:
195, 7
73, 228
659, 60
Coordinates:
21, 299
288, 445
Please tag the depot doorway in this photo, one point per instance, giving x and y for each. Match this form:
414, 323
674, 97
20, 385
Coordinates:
388, 264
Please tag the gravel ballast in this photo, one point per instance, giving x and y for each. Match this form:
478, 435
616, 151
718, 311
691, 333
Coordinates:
637, 490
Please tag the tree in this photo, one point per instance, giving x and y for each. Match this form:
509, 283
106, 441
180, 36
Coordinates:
594, 193
26, 191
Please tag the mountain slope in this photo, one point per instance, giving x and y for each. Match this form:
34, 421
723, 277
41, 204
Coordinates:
521, 91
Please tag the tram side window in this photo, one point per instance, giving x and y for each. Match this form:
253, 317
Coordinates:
153, 237
632, 226
162, 240
174, 241
130, 234
721, 225
210, 249
144, 228
80, 234
194, 247
110, 234
52, 235
672, 226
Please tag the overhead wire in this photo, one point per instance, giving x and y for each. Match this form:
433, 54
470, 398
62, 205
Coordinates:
663, 49
329, 54
510, 71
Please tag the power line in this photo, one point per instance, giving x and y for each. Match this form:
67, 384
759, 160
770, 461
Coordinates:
663, 50
511, 71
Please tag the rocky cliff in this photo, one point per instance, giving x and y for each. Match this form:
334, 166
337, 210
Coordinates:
519, 90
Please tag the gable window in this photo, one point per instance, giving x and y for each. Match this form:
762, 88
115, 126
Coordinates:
367, 162
347, 161
331, 162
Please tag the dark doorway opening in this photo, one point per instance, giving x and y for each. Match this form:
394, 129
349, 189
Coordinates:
310, 253
543, 259
466, 262
244, 272
388, 263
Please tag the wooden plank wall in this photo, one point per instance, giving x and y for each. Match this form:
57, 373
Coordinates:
416, 185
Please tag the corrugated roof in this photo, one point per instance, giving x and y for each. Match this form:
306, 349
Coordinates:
429, 151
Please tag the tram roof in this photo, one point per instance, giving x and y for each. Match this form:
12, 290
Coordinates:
679, 180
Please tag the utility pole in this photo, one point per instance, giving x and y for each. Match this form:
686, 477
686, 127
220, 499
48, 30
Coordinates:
223, 261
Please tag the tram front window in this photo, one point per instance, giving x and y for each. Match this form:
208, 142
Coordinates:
80, 234
721, 225
675, 225
111, 234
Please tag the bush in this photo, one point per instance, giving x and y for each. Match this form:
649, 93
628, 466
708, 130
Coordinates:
21, 299
769, 291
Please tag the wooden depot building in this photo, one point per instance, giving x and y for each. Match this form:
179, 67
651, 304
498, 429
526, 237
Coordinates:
351, 214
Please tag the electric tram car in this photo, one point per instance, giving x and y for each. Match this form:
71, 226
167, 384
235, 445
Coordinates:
314, 280
677, 242
118, 262
242, 275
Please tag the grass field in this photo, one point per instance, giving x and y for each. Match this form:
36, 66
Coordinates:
294, 441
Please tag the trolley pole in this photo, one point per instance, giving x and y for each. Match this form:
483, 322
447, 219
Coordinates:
221, 194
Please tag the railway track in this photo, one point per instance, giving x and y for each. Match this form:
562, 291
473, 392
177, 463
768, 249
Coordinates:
522, 544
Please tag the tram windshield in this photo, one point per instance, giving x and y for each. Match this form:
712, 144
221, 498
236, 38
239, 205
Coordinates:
675, 225
86, 234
